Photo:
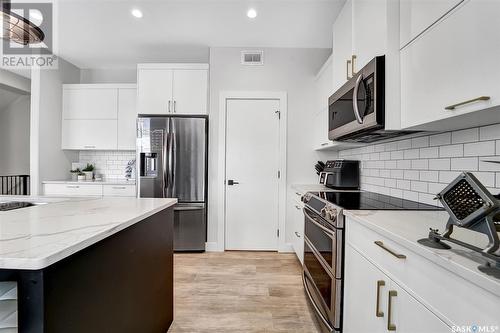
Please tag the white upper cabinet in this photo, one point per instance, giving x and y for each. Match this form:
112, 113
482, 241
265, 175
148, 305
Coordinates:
452, 70
127, 118
369, 31
172, 88
89, 102
190, 92
419, 15
154, 91
85, 134
342, 46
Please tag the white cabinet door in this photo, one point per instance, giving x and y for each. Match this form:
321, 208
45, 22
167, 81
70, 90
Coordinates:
72, 189
410, 316
342, 46
364, 290
369, 31
323, 88
89, 134
418, 15
454, 62
127, 117
154, 91
297, 219
190, 94
118, 190
90, 103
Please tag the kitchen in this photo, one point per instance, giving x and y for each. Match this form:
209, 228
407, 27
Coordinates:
161, 120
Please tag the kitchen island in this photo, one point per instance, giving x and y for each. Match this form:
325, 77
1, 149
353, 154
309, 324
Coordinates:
88, 265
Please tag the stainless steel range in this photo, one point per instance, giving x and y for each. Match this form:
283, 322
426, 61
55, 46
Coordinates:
324, 246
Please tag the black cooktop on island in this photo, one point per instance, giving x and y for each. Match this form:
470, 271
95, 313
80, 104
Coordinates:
370, 201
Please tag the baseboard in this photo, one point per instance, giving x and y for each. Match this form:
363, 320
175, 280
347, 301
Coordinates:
212, 247
287, 247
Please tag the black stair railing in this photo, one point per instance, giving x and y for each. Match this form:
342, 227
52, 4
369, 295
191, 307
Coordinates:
15, 185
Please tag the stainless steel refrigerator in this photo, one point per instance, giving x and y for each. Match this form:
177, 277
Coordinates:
172, 163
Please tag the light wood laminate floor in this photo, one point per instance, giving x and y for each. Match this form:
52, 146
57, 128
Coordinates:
246, 292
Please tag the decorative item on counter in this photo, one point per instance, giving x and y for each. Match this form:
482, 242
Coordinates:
74, 174
98, 178
81, 177
473, 207
320, 166
89, 172
130, 170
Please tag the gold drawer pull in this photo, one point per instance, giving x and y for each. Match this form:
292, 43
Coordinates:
481, 98
390, 325
353, 59
397, 255
379, 313
347, 69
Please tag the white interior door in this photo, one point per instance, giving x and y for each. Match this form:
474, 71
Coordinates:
252, 163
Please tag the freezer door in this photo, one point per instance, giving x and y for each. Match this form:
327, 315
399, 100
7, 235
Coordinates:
187, 154
190, 227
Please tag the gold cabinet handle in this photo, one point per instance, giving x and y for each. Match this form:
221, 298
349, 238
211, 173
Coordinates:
397, 255
480, 98
353, 59
378, 313
348, 62
390, 325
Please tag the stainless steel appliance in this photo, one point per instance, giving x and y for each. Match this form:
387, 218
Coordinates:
324, 246
172, 153
341, 174
357, 110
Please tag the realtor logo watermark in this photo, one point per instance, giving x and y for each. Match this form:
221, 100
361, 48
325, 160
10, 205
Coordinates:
40, 54
475, 329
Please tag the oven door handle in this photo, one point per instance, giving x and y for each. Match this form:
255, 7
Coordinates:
326, 230
355, 99
316, 309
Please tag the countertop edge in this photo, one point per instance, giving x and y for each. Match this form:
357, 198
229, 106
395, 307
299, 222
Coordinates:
480, 280
41, 263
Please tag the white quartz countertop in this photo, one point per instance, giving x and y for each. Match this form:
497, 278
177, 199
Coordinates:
303, 188
407, 227
100, 182
38, 236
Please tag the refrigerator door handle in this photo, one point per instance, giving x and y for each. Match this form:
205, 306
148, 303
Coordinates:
171, 159
164, 163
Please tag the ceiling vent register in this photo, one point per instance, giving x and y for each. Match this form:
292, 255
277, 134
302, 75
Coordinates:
252, 58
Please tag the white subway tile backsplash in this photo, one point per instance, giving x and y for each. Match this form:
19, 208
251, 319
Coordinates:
451, 151
485, 148
440, 139
464, 164
491, 132
419, 168
467, 135
109, 164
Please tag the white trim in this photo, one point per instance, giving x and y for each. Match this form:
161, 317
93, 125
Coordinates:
221, 168
35, 132
100, 86
211, 247
288, 248
172, 66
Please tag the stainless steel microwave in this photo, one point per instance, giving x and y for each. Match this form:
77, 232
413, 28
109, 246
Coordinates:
356, 112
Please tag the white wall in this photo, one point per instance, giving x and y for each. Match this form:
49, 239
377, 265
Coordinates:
15, 82
290, 70
46, 89
15, 137
111, 75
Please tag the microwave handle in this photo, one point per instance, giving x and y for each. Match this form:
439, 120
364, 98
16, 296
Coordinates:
355, 99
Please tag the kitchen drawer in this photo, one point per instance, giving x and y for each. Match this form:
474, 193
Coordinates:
432, 285
119, 190
73, 189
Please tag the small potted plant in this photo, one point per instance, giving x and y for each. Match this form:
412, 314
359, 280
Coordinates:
81, 177
74, 174
89, 172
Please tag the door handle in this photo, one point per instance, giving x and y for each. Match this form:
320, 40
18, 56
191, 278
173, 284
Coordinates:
348, 62
353, 58
397, 255
175, 106
378, 313
390, 325
454, 106
297, 234
231, 182
168, 110
355, 99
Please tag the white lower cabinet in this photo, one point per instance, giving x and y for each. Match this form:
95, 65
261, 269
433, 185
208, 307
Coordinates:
118, 190
297, 224
93, 190
373, 302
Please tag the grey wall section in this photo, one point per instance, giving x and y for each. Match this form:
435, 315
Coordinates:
111, 75
14, 82
290, 70
54, 163
15, 137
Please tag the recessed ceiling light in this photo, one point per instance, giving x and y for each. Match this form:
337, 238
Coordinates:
136, 13
252, 13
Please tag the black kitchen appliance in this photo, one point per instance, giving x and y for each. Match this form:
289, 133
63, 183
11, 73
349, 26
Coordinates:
470, 206
324, 246
341, 174
356, 111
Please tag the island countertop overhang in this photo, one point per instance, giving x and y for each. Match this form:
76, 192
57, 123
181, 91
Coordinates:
36, 237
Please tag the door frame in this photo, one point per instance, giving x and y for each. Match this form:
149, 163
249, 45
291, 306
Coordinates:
221, 207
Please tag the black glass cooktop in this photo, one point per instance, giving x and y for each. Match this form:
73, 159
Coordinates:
371, 201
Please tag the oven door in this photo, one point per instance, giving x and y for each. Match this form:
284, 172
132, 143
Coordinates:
326, 240
358, 105
322, 289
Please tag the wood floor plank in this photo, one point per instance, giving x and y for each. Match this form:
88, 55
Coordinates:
234, 291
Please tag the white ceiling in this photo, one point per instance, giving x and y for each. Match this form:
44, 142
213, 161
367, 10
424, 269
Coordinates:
103, 33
